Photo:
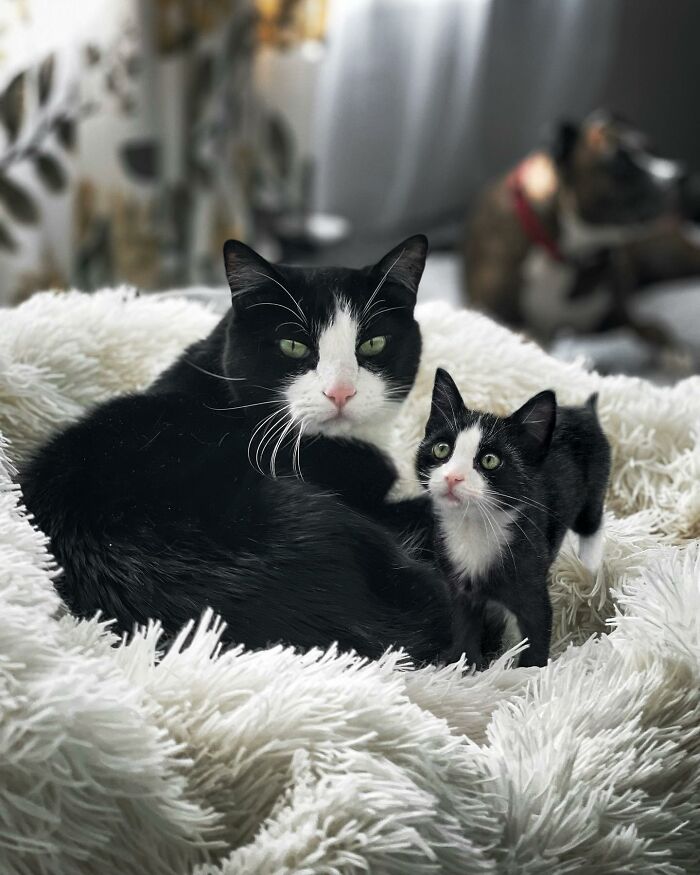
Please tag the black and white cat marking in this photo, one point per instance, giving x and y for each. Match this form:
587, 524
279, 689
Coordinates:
317, 361
504, 492
190, 495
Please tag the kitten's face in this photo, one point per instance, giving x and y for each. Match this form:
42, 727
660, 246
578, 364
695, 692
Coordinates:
476, 465
334, 350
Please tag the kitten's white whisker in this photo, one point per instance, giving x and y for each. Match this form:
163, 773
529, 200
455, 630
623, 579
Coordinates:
536, 505
505, 541
501, 505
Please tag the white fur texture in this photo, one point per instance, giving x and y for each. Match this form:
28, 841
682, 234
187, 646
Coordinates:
271, 762
474, 532
307, 395
590, 550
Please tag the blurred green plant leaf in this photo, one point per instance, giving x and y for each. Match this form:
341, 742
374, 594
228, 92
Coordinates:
133, 65
17, 201
45, 79
7, 241
65, 131
204, 74
92, 55
12, 106
50, 172
141, 159
280, 142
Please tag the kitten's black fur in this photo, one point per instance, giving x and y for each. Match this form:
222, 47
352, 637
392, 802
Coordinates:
554, 471
154, 509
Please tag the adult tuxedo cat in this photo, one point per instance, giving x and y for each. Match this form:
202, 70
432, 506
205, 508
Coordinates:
191, 495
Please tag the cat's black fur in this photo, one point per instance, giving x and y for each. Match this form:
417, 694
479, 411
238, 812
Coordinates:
555, 468
154, 509
243, 344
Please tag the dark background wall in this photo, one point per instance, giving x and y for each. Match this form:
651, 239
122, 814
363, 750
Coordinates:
655, 79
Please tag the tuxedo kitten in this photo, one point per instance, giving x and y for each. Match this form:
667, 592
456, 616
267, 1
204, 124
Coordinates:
192, 495
504, 491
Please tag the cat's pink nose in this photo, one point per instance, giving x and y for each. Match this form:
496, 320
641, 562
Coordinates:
340, 394
452, 480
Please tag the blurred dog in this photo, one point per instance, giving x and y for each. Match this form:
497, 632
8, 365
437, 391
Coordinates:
672, 250
542, 248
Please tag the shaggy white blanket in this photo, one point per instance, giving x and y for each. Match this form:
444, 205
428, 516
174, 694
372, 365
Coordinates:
272, 762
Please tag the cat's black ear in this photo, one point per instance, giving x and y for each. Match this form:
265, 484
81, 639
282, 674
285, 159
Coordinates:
563, 141
447, 399
536, 420
245, 269
404, 264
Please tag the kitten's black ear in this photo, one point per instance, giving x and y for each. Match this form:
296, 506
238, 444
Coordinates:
447, 399
404, 264
536, 419
563, 141
245, 269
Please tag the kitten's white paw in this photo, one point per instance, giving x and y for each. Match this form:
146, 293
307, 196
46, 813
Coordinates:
590, 550
512, 633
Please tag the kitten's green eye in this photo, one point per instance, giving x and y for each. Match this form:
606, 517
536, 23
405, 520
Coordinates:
441, 450
294, 349
490, 461
373, 346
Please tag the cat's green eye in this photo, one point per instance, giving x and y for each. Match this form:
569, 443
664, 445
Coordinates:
294, 349
441, 450
490, 461
373, 346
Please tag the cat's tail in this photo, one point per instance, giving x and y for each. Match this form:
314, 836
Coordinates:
589, 523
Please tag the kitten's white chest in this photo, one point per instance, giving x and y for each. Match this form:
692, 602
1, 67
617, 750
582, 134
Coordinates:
475, 543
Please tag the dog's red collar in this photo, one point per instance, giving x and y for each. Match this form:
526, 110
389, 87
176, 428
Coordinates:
531, 223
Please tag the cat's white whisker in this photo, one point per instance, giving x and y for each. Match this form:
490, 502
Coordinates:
296, 454
242, 406
280, 445
264, 425
270, 436
285, 289
301, 327
536, 505
381, 283
377, 314
212, 374
364, 314
504, 540
514, 511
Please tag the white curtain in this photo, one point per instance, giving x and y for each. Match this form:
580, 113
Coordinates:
420, 101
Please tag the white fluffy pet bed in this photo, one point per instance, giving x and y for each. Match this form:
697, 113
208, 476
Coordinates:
271, 762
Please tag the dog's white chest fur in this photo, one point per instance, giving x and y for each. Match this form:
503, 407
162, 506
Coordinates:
547, 283
545, 301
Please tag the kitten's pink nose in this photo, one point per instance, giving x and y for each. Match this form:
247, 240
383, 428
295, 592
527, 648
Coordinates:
452, 480
340, 394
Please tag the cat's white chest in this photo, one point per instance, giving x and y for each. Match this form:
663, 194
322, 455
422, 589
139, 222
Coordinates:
474, 544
